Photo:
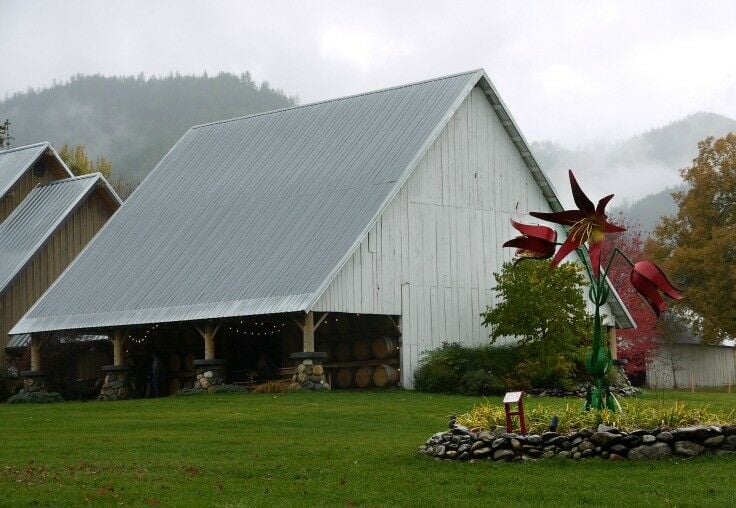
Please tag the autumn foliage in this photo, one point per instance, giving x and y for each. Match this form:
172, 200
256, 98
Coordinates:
697, 247
637, 345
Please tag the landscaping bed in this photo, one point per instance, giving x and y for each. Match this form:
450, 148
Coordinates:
642, 430
606, 442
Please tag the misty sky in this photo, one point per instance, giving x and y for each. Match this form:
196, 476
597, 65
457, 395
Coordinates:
573, 72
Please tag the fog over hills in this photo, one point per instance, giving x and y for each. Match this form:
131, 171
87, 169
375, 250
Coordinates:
642, 170
133, 121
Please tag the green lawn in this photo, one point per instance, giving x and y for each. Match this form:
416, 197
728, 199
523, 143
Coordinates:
311, 449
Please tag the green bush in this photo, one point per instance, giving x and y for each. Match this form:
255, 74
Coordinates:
224, 388
435, 376
35, 398
491, 370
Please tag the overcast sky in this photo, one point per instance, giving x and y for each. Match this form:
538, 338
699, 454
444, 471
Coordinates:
573, 72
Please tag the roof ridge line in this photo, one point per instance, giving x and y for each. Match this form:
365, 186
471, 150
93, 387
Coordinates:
24, 147
336, 99
96, 174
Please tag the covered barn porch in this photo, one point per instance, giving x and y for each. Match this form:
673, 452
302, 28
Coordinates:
359, 351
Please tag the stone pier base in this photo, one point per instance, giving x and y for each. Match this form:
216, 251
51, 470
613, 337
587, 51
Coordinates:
210, 374
33, 381
34, 389
118, 383
309, 373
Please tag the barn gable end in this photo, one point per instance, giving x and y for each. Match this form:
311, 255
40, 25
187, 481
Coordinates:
431, 255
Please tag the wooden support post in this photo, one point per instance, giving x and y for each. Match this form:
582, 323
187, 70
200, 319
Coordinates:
35, 352
118, 338
308, 332
208, 334
612, 347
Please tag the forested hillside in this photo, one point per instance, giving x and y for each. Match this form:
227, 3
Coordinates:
132, 121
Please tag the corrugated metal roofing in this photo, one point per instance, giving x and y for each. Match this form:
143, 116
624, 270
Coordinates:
24, 340
30, 225
253, 215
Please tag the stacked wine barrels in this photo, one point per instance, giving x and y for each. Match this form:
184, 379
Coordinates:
365, 376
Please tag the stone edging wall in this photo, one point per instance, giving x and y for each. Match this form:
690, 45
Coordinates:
458, 443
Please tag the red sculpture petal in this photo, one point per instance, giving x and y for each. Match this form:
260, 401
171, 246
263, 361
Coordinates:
601, 208
539, 247
566, 217
648, 290
657, 277
567, 247
535, 231
612, 228
583, 202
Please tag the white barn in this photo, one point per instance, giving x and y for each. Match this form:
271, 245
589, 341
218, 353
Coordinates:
386, 209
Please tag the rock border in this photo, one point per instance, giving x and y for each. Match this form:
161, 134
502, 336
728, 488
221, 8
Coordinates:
459, 443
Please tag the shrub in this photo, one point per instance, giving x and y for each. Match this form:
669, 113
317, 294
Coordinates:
435, 376
490, 370
225, 388
635, 415
35, 398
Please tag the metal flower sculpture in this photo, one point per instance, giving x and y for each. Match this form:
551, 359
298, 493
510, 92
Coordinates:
588, 225
535, 242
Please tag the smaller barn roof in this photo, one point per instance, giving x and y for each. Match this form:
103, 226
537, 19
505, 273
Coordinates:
15, 161
38, 216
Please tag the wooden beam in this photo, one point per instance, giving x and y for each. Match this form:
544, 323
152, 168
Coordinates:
35, 352
612, 342
308, 332
118, 338
320, 320
208, 334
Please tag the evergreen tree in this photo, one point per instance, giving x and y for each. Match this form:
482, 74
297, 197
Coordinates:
5, 134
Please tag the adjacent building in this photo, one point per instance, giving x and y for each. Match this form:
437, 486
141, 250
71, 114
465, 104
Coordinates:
51, 216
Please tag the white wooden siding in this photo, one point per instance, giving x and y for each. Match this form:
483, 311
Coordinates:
431, 255
702, 365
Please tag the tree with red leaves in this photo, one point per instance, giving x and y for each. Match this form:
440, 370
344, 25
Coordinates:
637, 345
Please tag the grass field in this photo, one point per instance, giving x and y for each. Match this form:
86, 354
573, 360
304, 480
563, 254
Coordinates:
311, 449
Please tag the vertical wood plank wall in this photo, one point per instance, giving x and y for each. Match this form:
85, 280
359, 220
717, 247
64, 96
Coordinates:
20, 190
50, 261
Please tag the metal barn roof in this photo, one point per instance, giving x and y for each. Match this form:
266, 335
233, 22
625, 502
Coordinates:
24, 340
15, 161
33, 222
255, 215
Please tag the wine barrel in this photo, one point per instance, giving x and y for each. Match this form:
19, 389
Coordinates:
344, 378
363, 377
174, 362
385, 375
384, 347
343, 351
362, 349
325, 347
189, 362
174, 386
